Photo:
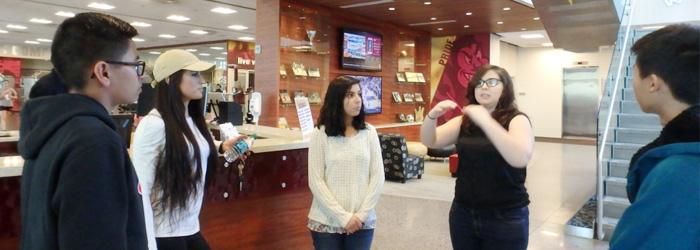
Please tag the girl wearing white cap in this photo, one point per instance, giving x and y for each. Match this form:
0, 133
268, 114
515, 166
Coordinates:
174, 153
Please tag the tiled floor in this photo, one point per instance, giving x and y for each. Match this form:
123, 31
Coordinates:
560, 178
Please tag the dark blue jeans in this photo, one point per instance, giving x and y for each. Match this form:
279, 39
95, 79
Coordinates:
488, 229
360, 240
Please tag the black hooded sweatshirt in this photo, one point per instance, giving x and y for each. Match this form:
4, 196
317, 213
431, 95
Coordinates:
79, 188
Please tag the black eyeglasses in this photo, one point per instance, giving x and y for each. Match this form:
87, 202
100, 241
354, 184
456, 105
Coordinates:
139, 66
491, 82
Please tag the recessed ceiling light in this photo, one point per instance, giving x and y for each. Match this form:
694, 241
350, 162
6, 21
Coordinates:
466, 26
523, 29
204, 54
531, 36
392, 8
223, 10
154, 52
178, 18
439, 29
140, 24
136, 39
237, 27
16, 26
191, 50
44, 40
31, 42
4, 32
547, 44
246, 38
506, 8
217, 48
100, 6
224, 53
410, 45
199, 32
427, 3
220, 58
499, 22
536, 18
65, 14
40, 20
167, 36
433, 18
468, 13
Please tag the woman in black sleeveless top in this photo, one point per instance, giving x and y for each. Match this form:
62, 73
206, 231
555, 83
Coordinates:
494, 142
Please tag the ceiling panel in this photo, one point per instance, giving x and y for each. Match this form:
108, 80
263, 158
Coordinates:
484, 18
153, 12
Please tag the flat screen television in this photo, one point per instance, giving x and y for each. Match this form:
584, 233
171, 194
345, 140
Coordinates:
371, 89
361, 50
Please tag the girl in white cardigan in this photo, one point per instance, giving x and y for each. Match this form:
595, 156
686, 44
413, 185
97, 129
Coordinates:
346, 171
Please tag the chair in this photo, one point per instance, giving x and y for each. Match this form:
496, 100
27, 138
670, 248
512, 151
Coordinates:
398, 164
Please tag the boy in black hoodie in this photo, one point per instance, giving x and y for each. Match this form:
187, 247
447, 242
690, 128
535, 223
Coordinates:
79, 188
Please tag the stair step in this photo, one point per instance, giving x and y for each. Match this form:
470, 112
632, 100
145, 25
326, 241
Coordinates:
638, 121
614, 207
617, 168
622, 151
609, 225
636, 135
616, 200
631, 107
616, 187
628, 94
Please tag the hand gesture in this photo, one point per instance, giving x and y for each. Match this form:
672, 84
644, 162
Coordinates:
353, 225
441, 108
476, 113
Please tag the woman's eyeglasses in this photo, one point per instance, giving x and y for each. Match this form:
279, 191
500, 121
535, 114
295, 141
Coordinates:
139, 66
491, 82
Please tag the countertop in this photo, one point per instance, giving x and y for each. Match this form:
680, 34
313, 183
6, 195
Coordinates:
271, 140
9, 136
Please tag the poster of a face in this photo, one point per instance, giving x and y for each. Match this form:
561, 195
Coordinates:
371, 87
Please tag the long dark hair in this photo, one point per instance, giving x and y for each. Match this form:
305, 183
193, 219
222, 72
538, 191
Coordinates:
174, 179
332, 115
505, 109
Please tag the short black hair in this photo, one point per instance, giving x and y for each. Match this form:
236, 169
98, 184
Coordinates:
82, 40
672, 54
332, 115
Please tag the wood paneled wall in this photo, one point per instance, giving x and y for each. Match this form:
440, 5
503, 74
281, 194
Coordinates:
332, 21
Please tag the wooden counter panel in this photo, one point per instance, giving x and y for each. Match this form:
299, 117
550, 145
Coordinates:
10, 219
275, 222
265, 214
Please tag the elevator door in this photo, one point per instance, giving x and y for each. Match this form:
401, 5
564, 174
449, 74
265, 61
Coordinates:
581, 95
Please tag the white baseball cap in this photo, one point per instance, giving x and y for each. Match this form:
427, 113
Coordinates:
174, 60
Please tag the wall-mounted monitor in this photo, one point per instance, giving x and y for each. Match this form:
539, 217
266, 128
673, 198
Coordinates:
371, 89
361, 50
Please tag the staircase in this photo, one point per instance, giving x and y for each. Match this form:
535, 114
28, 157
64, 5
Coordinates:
622, 129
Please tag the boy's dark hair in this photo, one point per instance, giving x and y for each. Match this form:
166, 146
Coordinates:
82, 40
332, 115
672, 54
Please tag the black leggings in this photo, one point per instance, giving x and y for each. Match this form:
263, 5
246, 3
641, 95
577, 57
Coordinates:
192, 242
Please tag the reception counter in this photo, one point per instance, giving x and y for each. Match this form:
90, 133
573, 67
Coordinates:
261, 203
